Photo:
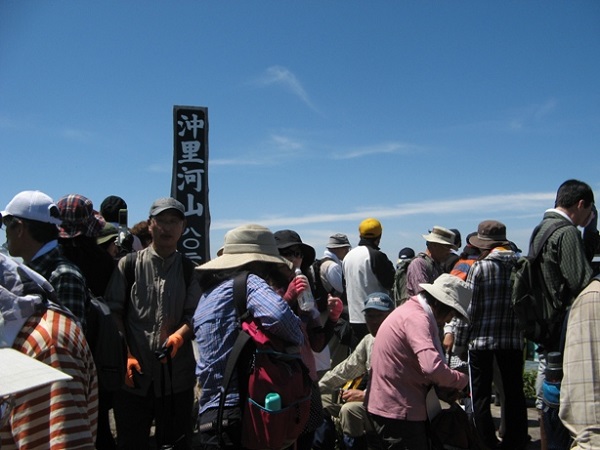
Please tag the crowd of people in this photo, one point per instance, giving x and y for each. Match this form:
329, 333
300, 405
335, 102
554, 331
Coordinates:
381, 344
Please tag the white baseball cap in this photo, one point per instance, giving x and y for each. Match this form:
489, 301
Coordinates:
33, 205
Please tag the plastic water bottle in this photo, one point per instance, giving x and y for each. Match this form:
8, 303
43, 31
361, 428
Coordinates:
306, 301
272, 401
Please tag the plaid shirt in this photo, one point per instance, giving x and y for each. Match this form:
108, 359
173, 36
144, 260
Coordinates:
564, 265
580, 390
66, 279
493, 323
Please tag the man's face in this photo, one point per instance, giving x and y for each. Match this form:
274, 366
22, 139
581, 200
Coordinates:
14, 229
374, 318
583, 215
439, 252
166, 228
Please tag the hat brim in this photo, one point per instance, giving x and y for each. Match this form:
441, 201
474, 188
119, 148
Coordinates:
234, 260
441, 296
437, 240
485, 243
104, 239
338, 245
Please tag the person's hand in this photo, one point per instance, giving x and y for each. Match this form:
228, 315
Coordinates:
448, 395
335, 306
132, 364
296, 287
175, 341
352, 395
448, 342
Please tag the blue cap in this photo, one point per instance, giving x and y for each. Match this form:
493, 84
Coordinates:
380, 301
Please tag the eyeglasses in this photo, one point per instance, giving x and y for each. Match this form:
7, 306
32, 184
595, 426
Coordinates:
9, 220
292, 253
162, 222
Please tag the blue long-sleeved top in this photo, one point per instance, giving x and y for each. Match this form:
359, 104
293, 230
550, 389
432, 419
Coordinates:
216, 329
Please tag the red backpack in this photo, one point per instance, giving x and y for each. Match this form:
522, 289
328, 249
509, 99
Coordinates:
275, 396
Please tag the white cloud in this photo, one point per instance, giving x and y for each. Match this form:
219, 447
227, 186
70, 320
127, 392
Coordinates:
493, 204
277, 75
388, 147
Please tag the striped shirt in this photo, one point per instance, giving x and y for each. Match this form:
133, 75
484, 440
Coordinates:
493, 322
62, 415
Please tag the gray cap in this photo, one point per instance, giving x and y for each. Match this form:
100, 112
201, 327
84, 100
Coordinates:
163, 204
338, 240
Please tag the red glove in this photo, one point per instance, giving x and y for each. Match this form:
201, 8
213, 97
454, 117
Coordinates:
296, 287
335, 307
132, 364
175, 341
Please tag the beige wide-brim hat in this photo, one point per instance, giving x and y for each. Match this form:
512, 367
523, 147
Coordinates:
441, 235
452, 291
245, 244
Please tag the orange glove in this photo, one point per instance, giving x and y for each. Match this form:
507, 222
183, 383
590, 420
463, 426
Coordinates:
175, 341
335, 307
296, 287
132, 364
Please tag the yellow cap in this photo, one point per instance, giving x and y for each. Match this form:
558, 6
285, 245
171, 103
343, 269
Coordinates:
370, 228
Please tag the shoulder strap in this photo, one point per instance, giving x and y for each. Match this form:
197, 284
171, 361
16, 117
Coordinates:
242, 341
535, 252
188, 269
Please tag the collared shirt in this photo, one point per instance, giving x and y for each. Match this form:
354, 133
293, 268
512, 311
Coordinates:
493, 322
157, 305
216, 329
64, 414
580, 389
66, 279
356, 365
564, 264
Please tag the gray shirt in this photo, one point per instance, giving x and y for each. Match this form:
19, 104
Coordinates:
158, 305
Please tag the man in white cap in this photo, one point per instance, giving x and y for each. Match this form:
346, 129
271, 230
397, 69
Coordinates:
152, 295
408, 359
249, 248
32, 223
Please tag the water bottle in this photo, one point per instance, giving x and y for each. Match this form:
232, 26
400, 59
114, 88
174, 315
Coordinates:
272, 401
306, 301
553, 376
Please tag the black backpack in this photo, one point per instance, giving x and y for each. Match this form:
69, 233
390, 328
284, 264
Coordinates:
107, 344
540, 316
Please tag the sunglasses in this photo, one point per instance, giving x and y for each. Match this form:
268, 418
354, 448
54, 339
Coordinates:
292, 253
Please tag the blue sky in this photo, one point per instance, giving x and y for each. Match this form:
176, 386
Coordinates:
321, 113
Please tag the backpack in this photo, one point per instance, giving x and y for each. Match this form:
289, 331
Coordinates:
318, 289
266, 373
539, 315
130, 263
399, 291
106, 343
